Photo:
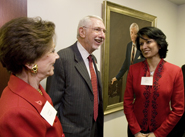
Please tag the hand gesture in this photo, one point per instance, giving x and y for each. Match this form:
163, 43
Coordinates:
151, 134
139, 134
113, 80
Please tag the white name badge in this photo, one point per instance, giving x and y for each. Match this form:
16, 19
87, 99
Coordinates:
48, 112
147, 81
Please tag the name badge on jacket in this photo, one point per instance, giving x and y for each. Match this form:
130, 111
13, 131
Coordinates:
148, 81
48, 112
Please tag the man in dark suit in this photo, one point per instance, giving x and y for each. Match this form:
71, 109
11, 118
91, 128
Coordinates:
70, 87
132, 54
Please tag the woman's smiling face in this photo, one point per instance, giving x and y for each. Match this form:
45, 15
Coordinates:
149, 47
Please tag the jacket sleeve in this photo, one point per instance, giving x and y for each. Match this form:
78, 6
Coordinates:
125, 65
128, 104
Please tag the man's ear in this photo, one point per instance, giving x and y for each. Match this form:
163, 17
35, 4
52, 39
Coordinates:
82, 32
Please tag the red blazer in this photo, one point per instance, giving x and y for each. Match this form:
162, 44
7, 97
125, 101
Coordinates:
151, 109
20, 107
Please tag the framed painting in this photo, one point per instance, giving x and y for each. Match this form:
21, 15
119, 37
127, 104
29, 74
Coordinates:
117, 20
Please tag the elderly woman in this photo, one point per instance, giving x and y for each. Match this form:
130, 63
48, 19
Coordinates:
27, 50
154, 95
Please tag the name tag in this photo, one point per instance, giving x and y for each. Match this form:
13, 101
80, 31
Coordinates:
48, 112
148, 81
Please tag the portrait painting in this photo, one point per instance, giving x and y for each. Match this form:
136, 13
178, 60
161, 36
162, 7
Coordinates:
117, 20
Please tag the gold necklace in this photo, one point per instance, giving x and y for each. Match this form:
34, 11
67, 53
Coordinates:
40, 91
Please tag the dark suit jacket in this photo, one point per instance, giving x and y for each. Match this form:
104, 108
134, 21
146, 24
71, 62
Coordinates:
127, 62
71, 91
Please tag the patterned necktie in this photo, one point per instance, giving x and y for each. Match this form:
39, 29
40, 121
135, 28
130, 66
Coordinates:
94, 87
133, 52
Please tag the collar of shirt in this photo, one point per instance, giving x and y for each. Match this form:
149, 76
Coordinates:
84, 55
83, 51
134, 45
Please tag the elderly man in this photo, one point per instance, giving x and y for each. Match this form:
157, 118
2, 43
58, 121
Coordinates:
132, 54
75, 87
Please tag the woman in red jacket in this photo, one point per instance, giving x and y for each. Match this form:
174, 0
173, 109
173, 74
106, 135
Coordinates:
154, 95
27, 50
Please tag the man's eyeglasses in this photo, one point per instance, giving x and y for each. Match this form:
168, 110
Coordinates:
97, 29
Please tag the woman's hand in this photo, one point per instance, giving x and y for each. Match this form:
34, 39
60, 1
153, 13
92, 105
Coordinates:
151, 134
139, 134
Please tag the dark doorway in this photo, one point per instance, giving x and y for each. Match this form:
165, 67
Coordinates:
10, 9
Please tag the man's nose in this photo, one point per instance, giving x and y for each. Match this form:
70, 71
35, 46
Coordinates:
102, 34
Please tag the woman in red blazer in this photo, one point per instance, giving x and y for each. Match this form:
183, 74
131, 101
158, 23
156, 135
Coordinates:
27, 50
154, 95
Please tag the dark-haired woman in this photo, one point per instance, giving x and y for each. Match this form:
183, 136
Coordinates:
27, 50
154, 95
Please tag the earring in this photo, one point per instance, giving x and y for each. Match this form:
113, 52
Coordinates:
34, 69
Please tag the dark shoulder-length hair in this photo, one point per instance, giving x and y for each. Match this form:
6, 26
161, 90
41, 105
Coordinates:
24, 40
155, 34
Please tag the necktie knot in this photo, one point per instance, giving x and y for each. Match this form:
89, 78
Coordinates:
90, 58
134, 46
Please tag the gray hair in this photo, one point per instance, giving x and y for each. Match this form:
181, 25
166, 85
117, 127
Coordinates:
134, 25
87, 21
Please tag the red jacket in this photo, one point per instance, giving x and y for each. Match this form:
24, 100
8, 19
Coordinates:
20, 107
151, 109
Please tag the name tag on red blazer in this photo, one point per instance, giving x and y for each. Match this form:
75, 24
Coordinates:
148, 81
48, 112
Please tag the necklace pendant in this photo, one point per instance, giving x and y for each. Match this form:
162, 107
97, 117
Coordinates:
151, 73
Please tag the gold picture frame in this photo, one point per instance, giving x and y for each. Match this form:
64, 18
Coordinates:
117, 20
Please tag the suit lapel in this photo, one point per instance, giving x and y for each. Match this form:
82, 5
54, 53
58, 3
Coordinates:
80, 66
137, 54
130, 49
129, 53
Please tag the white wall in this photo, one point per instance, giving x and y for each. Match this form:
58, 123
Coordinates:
66, 14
